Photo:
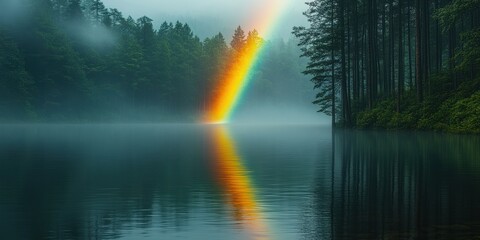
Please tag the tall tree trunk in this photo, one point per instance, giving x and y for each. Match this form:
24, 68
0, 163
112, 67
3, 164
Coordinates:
386, 61
356, 57
409, 30
426, 45
332, 25
375, 50
349, 58
372, 61
401, 60
451, 53
438, 37
345, 97
391, 26
97, 6
364, 68
418, 51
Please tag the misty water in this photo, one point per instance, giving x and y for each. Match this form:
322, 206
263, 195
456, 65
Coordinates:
237, 182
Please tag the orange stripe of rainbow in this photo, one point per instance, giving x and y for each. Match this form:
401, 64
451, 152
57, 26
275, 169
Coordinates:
239, 73
233, 177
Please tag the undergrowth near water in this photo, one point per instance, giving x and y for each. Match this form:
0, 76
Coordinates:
447, 111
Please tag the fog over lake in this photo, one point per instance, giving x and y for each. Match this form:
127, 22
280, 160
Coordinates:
235, 182
161, 119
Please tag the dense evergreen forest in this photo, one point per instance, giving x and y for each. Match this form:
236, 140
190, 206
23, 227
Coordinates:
77, 60
394, 63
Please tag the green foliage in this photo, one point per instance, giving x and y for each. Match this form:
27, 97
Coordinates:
458, 112
319, 45
15, 82
62, 88
76, 60
449, 14
388, 64
238, 40
465, 115
469, 56
74, 10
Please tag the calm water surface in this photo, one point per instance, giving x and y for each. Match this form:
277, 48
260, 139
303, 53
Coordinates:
241, 182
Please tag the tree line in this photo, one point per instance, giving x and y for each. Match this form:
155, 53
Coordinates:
393, 63
77, 60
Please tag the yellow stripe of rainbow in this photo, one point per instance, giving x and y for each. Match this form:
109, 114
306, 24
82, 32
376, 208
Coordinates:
233, 177
239, 74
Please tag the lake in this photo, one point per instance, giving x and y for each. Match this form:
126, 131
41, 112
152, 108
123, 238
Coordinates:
236, 182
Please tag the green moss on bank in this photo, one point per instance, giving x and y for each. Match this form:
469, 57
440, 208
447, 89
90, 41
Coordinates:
457, 111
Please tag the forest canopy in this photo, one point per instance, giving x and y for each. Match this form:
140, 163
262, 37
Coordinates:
395, 63
77, 60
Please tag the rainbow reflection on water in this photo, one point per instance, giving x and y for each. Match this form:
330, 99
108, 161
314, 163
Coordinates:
236, 184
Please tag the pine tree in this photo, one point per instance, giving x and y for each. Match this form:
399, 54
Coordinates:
238, 40
16, 86
318, 43
344, 43
74, 11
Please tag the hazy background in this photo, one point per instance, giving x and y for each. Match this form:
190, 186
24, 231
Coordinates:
208, 17
69, 61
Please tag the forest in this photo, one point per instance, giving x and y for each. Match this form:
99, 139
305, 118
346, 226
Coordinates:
395, 64
80, 61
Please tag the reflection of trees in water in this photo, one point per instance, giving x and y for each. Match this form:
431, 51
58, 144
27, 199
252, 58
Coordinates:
401, 186
316, 216
57, 191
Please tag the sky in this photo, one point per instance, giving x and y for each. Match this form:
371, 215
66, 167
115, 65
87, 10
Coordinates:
208, 17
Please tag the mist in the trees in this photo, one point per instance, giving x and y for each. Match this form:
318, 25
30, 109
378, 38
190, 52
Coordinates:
83, 61
214, 119
395, 64
208, 17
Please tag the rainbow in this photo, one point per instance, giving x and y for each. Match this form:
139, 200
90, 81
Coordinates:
239, 73
233, 176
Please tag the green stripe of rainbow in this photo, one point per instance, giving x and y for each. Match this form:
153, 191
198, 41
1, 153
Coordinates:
239, 75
